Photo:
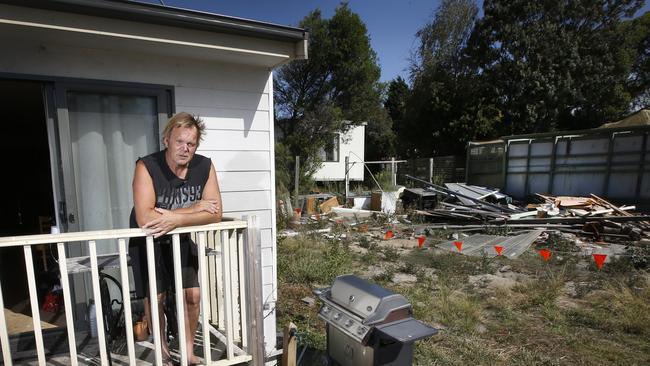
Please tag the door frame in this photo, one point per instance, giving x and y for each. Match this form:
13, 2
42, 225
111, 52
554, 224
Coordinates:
57, 121
61, 89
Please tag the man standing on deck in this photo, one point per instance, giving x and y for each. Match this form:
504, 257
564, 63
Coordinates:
173, 188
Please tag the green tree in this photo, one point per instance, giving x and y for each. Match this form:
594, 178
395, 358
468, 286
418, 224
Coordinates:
335, 89
553, 64
380, 139
445, 108
638, 36
395, 105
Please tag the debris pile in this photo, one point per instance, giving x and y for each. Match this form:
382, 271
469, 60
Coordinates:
466, 209
477, 220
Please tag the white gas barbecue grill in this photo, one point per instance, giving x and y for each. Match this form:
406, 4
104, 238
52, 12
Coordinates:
368, 325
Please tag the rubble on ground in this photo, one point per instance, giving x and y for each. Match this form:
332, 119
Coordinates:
474, 220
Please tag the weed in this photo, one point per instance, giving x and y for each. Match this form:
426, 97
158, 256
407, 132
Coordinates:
497, 230
370, 257
386, 276
282, 221
364, 242
639, 256
385, 180
379, 219
558, 243
390, 254
409, 268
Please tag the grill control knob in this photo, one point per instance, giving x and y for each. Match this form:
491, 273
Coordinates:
337, 316
361, 330
326, 309
349, 323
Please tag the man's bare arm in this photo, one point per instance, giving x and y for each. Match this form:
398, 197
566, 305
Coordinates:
144, 195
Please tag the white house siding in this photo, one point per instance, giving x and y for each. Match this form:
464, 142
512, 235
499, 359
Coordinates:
235, 101
351, 144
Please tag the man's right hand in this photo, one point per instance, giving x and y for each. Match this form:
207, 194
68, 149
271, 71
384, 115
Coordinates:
209, 206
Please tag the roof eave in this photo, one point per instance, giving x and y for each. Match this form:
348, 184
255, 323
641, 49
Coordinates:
170, 16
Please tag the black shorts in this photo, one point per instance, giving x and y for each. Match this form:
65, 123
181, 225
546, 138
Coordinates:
164, 264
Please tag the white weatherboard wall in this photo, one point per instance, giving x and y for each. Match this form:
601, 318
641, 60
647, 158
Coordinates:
234, 100
351, 144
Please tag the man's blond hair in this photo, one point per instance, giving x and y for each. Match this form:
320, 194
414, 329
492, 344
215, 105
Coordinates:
184, 119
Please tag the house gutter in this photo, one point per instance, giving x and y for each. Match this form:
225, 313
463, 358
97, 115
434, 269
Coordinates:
176, 17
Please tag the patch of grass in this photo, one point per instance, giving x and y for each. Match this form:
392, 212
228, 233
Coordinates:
541, 292
617, 308
311, 329
456, 265
455, 309
312, 261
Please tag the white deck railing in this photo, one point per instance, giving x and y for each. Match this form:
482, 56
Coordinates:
229, 276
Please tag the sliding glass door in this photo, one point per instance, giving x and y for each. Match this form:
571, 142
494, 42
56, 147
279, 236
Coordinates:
102, 132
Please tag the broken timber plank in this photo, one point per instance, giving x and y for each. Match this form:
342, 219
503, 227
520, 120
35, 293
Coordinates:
577, 220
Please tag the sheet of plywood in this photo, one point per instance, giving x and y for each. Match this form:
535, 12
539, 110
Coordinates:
19, 323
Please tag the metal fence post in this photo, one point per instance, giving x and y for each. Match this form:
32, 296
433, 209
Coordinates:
296, 182
347, 179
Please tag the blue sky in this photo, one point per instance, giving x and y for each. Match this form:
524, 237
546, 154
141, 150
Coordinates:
391, 24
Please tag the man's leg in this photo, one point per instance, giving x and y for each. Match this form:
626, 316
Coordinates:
192, 308
161, 321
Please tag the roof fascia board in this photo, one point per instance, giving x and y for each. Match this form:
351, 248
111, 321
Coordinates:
163, 15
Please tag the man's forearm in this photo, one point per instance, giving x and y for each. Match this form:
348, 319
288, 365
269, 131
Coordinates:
196, 218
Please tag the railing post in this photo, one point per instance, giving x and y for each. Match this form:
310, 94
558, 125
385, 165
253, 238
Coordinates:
99, 311
126, 300
228, 294
4, 338
205, 305
67, 303
253, 265
153, 301
33, 297
180, 299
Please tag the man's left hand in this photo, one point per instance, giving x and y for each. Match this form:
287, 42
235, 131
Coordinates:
167, 222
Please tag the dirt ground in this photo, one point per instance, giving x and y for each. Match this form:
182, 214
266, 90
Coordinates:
490, 311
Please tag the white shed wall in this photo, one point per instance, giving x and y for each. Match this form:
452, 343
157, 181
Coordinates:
235, 101
351, 144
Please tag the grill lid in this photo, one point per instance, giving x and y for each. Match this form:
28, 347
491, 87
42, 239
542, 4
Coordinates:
372, 303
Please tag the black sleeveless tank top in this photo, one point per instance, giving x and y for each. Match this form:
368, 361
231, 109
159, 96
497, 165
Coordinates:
171, 191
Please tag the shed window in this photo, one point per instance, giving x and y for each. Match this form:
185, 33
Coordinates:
330, 153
